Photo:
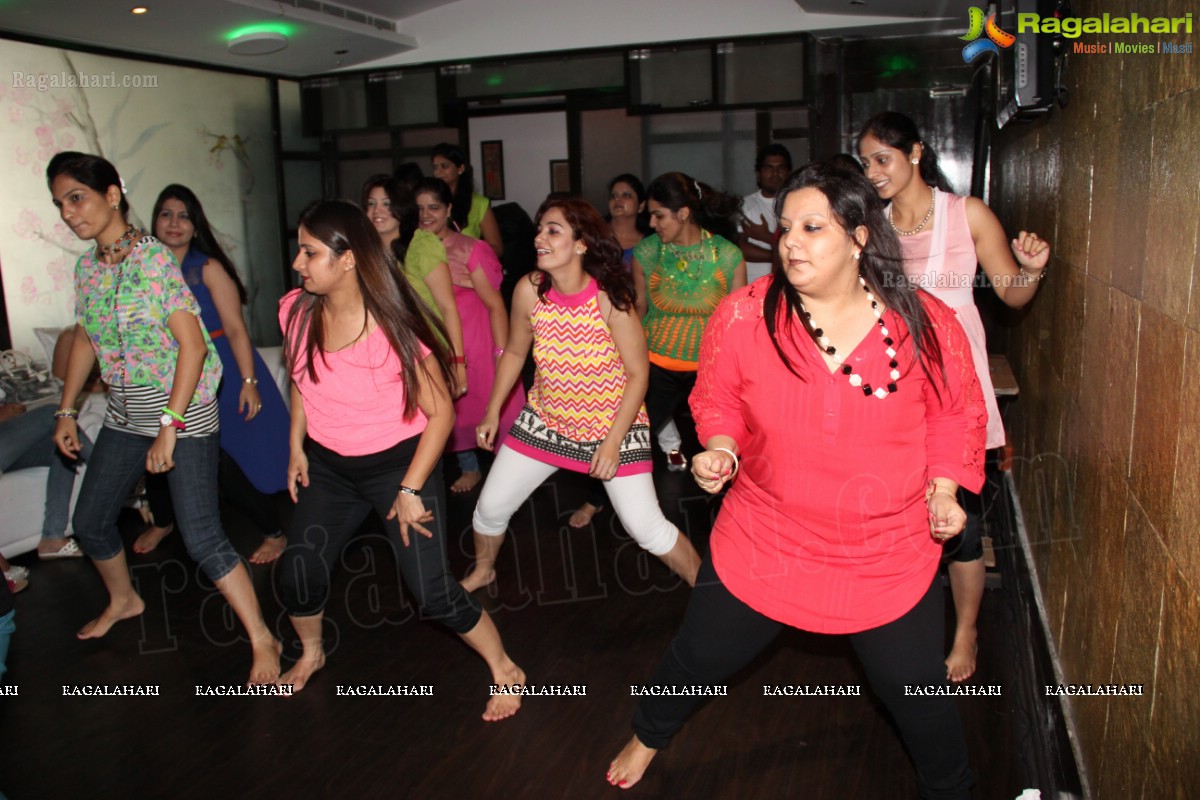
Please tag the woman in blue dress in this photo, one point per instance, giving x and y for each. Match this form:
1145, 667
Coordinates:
254, 419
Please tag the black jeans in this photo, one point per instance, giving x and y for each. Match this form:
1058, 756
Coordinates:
721, 635
341, 492
668, 390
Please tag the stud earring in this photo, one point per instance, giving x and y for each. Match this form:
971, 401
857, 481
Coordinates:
116, 206
857, 256
916, 161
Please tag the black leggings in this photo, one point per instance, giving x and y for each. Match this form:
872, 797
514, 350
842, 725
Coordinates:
721, 635
341, 492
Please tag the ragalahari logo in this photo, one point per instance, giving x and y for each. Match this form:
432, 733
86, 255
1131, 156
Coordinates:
995, 36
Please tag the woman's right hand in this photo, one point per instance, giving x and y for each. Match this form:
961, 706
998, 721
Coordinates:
66, 437
460, 380
485, 431
712, 470
297, 473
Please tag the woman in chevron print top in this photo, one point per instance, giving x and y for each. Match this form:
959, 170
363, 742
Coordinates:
585, 411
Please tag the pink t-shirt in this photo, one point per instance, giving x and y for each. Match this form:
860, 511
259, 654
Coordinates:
356, 406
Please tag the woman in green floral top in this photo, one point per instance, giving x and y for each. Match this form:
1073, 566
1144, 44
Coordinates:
138, 318
681, 273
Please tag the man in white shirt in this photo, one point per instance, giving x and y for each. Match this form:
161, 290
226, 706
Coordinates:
757, 240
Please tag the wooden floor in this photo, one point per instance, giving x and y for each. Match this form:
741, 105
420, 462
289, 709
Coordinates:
574, 608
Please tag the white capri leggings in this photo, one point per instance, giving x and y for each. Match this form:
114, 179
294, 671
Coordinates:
514, 476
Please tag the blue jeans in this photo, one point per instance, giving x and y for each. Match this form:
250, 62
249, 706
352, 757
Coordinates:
60, 482
117, 463
26, 439
7, 628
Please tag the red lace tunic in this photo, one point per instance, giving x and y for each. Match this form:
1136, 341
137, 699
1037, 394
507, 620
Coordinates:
825, 528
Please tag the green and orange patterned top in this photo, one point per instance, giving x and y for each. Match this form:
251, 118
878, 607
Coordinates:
683, 287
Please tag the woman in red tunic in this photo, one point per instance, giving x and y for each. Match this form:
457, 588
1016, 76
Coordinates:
842, 408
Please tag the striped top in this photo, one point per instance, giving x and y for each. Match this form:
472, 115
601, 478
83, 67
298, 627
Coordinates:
683, 287
137, 409
580, 378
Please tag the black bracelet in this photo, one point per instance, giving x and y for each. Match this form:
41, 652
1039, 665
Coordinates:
409, 490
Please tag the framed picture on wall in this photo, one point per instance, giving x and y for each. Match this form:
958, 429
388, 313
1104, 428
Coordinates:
560, 175
493, 168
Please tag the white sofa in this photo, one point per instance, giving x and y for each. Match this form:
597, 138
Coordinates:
23, 492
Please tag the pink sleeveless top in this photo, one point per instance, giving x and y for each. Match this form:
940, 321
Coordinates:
942, 261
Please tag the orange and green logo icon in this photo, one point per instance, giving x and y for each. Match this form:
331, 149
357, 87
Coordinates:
995, 36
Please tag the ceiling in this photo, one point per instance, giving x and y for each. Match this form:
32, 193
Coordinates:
328, 36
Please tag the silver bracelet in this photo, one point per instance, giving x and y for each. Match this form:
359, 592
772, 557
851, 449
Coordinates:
736, 463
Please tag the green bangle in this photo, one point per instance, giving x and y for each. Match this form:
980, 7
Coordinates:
173, 415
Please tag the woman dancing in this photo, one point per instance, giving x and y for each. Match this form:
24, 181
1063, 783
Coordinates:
681, 273
944, 238
472, 211
476, 275
421, 257
371, 412
841, 407
585, 410
138, 317
254, 419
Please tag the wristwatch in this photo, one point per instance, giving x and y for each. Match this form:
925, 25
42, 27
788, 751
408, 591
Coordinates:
167, 421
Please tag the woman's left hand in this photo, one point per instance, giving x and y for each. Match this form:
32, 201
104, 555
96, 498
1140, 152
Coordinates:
161, 457
946, 517
1030, 251
606, 460
409, 511
249, 401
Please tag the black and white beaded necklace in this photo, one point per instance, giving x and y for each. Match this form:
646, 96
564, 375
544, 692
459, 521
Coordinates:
831, 351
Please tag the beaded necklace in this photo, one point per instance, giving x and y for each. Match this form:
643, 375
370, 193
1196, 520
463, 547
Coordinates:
120, 244
831, 351
924, 222
684, 261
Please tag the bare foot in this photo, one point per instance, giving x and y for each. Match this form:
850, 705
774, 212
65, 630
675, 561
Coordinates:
268, 551
503, 706
630, 764
150, 539
302, 670
583, 515
466, 482
266, 661
478, 579
116, 611
960, 665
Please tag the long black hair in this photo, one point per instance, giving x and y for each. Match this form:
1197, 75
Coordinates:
94, 172
642, 219
896, 130
205, 241
716, 212
403, 206
602, 259
464, 188
387, 296
854, 203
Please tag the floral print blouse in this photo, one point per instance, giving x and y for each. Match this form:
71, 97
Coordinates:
124, 309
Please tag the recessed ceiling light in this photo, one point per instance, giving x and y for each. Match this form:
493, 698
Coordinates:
258, 43
138, 10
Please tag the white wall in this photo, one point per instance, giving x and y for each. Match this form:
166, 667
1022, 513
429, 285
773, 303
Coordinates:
210, 131
530, 142
479, 28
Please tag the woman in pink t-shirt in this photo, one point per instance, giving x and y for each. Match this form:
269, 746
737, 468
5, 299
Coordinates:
945, 238
371, 412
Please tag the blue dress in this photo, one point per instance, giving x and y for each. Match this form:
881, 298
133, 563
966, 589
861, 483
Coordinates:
260, 446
